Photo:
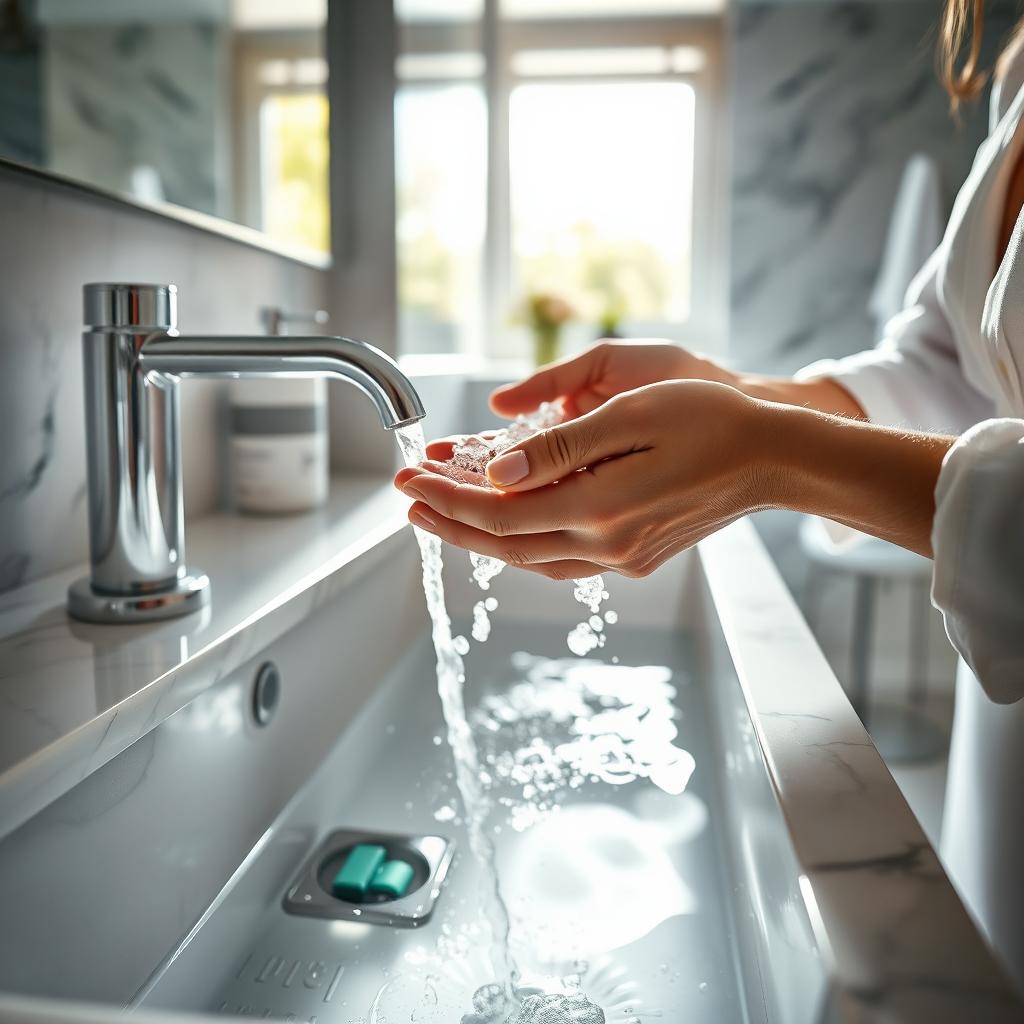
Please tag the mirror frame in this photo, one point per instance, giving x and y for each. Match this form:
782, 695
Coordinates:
178, 214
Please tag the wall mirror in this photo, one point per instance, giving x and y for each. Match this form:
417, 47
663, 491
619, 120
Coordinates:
214, 110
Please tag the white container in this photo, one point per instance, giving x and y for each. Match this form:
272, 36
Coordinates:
278, 449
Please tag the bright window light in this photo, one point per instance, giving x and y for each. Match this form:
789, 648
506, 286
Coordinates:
601, 196
438, 10
468, 10
263, 15
279, 72
441, 155
606, 8
293, 168
687, 60
619, 60
423, 66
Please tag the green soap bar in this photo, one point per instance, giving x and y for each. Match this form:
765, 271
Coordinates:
392, 878
361, 864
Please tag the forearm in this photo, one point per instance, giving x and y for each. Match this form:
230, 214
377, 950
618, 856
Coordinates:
875, 479
823, 394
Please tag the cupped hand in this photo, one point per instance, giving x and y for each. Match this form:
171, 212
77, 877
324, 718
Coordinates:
623, 488
584, 382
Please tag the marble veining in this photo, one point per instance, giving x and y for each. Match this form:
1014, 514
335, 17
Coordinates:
74, 695
830, 101
140, 96
898, 943
901, 944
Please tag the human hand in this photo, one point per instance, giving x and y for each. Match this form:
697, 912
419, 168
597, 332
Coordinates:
609, 368
623, 488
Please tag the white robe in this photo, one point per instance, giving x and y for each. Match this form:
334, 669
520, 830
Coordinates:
953, 361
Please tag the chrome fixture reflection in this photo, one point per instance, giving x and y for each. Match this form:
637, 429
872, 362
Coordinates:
133, 360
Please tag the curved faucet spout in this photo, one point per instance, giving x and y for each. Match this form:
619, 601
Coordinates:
369, 369
133, 358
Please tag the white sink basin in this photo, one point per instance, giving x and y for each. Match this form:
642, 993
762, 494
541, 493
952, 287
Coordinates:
789, 883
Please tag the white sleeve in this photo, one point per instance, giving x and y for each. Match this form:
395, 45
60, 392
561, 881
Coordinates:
978, 540
913, 377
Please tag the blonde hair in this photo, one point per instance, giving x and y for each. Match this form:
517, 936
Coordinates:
963, 22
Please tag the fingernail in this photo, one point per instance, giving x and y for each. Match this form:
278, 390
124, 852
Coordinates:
509, 468
413, 492
424, 521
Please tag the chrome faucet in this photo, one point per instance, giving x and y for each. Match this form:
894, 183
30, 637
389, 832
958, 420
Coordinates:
133, 360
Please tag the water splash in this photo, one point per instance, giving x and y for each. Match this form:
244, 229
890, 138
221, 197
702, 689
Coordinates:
570, 721
468, 464
451, 675
497, 1002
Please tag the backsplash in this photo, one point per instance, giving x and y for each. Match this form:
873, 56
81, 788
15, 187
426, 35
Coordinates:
55, 239
830, 101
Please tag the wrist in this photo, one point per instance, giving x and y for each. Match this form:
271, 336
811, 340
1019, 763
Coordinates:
820, 393
770, 436
875, 479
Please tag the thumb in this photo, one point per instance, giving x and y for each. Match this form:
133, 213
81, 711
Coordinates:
557, 452
559, 380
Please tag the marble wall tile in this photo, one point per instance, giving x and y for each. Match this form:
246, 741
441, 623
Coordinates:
830, 101
21, 72
141, 106
21, 135
55, 239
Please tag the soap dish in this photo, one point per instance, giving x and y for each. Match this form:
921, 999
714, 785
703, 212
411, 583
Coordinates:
429, 856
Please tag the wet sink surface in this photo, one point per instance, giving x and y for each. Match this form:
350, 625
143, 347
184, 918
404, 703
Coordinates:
623, 884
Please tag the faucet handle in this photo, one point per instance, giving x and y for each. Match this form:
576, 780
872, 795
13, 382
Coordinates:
110, 306
274, 319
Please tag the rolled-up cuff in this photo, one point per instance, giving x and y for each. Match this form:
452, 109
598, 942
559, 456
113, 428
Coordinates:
897, 389
868, 376
978, 542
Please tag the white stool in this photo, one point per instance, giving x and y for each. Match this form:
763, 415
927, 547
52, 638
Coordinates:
902, 734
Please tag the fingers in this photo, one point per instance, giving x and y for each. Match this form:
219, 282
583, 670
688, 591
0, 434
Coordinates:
522, 550
443, 469
556, 453
561, 379
502, 515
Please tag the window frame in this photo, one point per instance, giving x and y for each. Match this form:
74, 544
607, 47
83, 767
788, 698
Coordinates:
499, 40
252, 49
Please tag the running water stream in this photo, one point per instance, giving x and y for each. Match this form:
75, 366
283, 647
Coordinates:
451, 675
497, 1002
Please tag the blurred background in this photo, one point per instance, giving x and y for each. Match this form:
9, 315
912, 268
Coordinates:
481, 184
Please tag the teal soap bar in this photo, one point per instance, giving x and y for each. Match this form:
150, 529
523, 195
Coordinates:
392, 878
361, 864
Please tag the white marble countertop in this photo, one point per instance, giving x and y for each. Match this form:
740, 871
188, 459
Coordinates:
74, 695
899, 942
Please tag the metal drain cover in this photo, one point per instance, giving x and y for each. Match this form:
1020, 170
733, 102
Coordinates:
310, 894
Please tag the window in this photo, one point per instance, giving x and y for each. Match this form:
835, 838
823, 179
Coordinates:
601, 187
440, 155
281, 170
293, 168
571, 153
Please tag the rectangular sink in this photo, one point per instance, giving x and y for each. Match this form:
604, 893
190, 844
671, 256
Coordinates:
789, 882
